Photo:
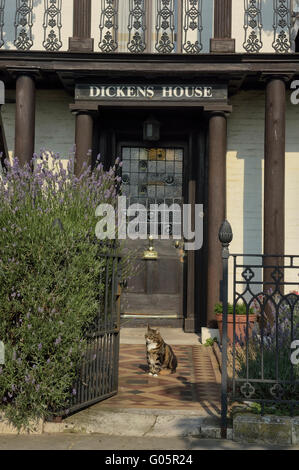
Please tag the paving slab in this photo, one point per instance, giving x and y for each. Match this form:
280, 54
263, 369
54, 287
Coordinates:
170, 336
121, 443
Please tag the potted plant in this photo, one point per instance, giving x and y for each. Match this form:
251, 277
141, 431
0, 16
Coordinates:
240, 320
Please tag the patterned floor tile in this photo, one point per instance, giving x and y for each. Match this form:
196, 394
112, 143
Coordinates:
194, 386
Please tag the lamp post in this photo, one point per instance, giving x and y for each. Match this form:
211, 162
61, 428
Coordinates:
225, 237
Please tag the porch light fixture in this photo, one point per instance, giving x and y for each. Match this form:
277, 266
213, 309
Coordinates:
151, 129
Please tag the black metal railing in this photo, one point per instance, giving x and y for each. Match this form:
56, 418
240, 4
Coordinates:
260, 351
97, 377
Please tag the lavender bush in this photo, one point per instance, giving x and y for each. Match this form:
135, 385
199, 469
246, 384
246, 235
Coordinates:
269, 347
49, 280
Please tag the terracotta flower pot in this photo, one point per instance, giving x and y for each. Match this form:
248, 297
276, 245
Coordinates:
240, 325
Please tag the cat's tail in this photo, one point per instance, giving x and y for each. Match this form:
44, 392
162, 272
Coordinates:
174, 364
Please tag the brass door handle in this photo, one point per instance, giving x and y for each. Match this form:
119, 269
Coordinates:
150, 253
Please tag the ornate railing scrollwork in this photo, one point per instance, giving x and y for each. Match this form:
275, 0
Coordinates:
23, 25
192, 14
137, 26
109, 26
165, 27
282, 25
52, 25
253, 25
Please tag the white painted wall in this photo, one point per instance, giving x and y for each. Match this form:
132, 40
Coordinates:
207, 21
38, 20
55, 125
267, 21
245, 175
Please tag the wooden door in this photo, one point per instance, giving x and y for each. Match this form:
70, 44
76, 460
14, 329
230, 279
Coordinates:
154, 175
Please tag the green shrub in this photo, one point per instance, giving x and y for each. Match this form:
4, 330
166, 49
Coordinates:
268, 353
240, 309
50, 281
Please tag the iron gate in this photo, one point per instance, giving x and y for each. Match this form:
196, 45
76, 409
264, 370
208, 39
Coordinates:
97, 377
260, 358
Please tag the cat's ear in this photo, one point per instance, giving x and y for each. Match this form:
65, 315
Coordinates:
148, 327
157, 331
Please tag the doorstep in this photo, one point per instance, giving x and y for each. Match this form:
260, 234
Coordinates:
140, 423
186, 403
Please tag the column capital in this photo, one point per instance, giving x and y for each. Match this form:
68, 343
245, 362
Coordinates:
225, 114
17, 72
86, 107
217, 113
89, 112
268, 77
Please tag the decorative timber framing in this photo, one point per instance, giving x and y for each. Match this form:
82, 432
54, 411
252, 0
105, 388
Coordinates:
81, 40
222, 40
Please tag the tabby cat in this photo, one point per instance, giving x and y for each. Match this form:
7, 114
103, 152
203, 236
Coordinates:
159, 354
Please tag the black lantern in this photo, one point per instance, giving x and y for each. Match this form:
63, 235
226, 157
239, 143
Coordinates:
151, 129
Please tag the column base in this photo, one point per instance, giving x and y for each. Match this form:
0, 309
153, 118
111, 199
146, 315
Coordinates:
222, 45
189, 325
80, 45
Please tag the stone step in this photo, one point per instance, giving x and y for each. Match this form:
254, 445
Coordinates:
140, 423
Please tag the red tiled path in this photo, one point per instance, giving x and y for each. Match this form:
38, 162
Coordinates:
194, 386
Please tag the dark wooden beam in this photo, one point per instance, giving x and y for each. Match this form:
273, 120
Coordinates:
274, 174
81, 40
25, 119
222, 65
95, 105
216, 207
222, 40
83, 141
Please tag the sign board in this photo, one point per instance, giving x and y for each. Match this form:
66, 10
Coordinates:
195, 92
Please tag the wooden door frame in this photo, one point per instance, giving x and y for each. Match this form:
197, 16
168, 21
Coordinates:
110, 136
188, 289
